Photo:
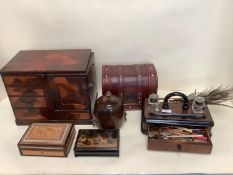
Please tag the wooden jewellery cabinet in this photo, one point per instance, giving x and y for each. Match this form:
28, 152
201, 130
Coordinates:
51, 85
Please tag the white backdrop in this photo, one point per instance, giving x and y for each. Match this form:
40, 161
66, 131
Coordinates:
189, 41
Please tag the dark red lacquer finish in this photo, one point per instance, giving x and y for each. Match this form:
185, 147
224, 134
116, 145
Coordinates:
132, 83
51, 85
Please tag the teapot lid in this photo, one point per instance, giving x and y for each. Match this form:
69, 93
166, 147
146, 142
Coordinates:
109, 100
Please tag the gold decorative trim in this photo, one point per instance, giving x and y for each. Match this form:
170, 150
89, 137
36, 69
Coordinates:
41, 147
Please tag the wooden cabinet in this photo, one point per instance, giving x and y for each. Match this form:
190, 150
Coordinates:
51, 85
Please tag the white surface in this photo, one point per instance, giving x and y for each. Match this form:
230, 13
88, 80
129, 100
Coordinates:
134, 156
190, 42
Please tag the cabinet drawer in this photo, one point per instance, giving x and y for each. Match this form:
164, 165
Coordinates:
69, 92
25, 91
28, 102
29, 80
73, 115
31, 114
178, 144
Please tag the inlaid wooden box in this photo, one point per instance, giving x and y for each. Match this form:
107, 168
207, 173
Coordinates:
57, 85
47, 139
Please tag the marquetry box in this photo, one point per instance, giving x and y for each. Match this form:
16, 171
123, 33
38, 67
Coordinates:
51, 85
47, 139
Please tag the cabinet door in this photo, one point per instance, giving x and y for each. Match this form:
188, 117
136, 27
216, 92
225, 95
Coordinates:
68, 92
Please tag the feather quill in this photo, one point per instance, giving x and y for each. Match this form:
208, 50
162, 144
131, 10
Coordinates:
213, 96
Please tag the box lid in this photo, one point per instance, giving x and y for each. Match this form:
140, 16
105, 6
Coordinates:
97, 142
53, 61
46, 134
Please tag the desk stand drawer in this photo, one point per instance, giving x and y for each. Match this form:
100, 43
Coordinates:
168, 138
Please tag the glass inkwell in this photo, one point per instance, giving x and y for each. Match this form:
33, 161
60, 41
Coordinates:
198, 105
153, 103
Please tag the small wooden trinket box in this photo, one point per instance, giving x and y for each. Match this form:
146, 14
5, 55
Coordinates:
47, 139
97, 142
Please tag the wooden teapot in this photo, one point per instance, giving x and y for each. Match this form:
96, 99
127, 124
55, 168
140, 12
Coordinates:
109, 112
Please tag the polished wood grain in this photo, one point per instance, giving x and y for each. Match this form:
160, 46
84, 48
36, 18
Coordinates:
75, 60
25, 102
32, 114
29, 152
25, 91
53, 85
70, 92
18, 80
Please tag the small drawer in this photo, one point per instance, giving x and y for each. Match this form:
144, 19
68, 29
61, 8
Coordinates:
24, 91
157, 141
31, 114
29, 80
73, 115
28, 102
